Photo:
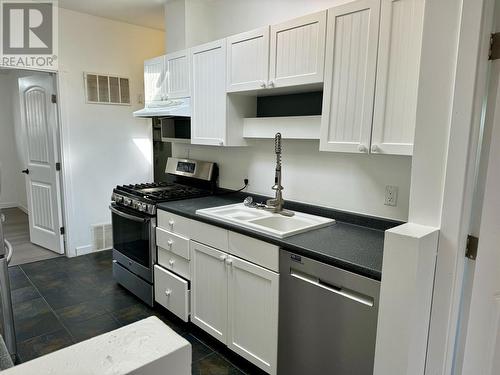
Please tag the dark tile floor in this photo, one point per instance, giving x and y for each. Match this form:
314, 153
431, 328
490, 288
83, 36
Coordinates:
61, 301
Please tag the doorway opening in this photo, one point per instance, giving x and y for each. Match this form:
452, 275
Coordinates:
30, 186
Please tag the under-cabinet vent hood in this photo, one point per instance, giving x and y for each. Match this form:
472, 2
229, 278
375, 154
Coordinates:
169, 108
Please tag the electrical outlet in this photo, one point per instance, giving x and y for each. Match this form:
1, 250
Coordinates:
391, 195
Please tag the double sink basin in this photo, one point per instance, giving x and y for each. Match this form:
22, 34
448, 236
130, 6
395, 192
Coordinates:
266, 222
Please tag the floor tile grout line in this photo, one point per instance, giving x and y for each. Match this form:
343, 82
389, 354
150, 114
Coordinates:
50, 307
214, 350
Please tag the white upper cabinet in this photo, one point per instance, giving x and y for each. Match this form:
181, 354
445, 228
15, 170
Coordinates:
248, 60
298, 51
208, 123
253, 313
178, 77
217, 118
401, 25
155, 85
351, 61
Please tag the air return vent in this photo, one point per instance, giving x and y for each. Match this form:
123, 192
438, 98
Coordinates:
106, 89
102, 237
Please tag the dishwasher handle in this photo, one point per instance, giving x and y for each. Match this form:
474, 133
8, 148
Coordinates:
347, 293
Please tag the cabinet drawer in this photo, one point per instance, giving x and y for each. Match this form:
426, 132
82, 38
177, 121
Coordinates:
255, 251
173, 242
193, 230
174, 263
174, 223
172, 292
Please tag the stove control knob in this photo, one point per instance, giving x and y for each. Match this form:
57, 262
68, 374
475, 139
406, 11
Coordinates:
118, 199
142, 207
127, 201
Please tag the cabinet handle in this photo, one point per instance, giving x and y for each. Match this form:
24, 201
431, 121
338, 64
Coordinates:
221, 143
170, 243
263, 84
229, 261
168, 292
271, 83
223, 258
171, 222
362, 148
375, 148
171, 262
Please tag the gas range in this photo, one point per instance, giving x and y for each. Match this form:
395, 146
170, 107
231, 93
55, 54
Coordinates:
133, 215
191, 179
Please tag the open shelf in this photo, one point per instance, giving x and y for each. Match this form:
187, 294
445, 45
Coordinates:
290, 127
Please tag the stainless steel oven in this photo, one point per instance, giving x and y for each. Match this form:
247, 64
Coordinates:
134, 250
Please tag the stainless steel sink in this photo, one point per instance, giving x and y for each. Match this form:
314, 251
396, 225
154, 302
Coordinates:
264, 221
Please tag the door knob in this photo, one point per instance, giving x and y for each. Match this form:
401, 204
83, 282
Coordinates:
27, 171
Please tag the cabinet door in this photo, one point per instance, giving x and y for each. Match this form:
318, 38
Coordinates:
209, 290
155, 89
253, 313
298, 51
248, 60
401, 24
351, 60
177, 65
208, 122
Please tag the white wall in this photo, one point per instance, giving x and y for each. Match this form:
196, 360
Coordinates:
206, 20
175, 38
103, 144
13, 183
343, 181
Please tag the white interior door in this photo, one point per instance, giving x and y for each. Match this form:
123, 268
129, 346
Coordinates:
38, 116
482, 345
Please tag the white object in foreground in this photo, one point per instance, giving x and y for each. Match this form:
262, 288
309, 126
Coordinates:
265, 221
147, 347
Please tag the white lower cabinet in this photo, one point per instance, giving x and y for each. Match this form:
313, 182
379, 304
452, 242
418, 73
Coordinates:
236, 302
209, 290
253, 313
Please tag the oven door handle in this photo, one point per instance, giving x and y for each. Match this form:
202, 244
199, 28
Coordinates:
128, 216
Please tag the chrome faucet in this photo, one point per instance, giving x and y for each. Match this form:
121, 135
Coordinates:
275, 205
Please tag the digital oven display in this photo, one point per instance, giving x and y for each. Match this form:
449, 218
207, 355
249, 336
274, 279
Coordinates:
186, 167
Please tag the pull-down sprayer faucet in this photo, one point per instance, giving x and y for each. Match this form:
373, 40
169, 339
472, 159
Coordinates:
275, 205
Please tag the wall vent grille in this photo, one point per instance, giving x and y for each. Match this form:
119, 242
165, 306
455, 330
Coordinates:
106, 89
102, 237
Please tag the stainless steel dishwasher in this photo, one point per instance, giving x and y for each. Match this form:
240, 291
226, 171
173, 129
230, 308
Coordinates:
327, 319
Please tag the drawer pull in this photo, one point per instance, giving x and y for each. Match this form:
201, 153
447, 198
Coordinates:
170, 242
168, 292
223, 258
171, 262
171, 222
229, 261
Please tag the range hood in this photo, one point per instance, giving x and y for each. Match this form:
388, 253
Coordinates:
169, 108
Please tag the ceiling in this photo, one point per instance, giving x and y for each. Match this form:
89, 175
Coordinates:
148, 13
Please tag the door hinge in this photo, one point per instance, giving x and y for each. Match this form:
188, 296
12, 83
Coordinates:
494, 53
54, 98
471, 248
58, 166
62, 230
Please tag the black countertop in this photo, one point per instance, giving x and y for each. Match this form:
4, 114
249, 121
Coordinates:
354, 243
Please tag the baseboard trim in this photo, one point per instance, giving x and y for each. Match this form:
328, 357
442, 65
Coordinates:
8, 205
82, 250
